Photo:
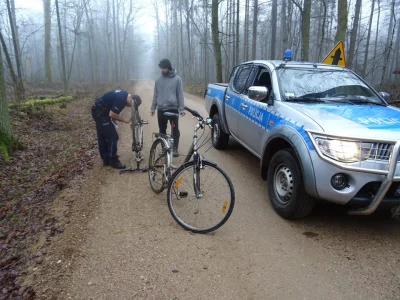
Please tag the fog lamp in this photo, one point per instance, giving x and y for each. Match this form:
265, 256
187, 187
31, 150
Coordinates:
339, 181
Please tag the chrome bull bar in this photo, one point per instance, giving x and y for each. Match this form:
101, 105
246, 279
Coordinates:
390, 178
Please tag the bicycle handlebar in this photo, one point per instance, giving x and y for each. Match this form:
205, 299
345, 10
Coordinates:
199, 117
193, 112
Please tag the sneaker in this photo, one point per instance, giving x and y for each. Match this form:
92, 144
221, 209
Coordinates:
175, 152
117, 165
106, 163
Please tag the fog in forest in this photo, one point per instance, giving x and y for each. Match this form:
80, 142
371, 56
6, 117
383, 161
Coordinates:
93, 41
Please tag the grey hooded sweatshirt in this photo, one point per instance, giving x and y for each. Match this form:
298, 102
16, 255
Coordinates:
168, 93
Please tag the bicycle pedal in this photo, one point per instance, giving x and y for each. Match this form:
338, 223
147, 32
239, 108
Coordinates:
183, 194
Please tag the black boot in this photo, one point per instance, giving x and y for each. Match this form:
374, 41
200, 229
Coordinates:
175, 152
116, 164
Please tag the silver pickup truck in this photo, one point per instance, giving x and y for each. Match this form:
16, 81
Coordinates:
320, 132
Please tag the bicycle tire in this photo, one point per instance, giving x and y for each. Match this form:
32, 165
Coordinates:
137, 130
176, 198
158, 164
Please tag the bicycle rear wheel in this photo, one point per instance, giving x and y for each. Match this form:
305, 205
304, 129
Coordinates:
158, 166
137, 130
209, 209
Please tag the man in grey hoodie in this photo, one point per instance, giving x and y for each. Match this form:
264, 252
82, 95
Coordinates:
168, 97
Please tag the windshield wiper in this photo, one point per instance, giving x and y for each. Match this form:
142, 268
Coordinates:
364, 101
305, 99
354, 101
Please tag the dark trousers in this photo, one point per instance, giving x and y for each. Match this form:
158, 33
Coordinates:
107, 138
163, 122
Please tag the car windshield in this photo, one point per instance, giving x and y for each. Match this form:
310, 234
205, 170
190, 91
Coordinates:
299, 84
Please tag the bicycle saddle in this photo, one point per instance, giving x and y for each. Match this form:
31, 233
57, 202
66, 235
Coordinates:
171, 115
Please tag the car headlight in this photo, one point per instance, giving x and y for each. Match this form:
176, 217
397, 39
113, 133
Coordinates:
344, 151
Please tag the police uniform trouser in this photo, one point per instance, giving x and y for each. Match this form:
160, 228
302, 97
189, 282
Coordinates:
107, 137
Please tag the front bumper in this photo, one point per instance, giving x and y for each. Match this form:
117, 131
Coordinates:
391, 177
382, 195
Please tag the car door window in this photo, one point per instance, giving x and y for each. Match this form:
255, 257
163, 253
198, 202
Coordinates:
264, 79
241, 78
250, 80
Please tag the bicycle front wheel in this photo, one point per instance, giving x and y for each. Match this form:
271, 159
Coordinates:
137, 130
158, 166
200, 198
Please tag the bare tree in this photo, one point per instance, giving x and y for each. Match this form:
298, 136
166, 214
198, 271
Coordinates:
20, 92
216, 41
255, 23
389, 45
342, 21
274, 21
64, 71
5, 125
353, 36
47, 40
371, 16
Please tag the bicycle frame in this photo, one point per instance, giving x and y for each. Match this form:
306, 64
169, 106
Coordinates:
138, 154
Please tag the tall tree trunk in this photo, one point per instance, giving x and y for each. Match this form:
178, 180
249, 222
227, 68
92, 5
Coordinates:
216, 42
246, 31
376, 43
14, 20
206, 60
65, 40
5, 125
389, 45
283, 26
371, 16
13, 76
342, 21
189, 38
20, 85
255, 23
115, 44
64, 71
176, 34
305, 30
109, 43
321, 42
184, 62
237, 31
47, 41
353, 36
158, 31
274, 21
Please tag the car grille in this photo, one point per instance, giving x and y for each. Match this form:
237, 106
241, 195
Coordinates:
380, 151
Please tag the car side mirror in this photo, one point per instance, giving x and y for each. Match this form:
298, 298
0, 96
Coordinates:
257, 93
385, 96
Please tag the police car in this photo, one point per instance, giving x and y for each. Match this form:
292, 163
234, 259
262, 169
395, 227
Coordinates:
320, 132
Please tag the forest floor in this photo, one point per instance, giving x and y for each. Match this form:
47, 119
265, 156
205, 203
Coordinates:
58, 148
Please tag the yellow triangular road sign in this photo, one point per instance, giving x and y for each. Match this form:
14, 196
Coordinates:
336, 56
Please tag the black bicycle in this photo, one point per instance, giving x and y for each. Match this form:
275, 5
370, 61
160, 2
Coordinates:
200, 194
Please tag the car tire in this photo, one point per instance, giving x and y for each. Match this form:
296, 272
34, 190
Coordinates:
286, 186
220, 139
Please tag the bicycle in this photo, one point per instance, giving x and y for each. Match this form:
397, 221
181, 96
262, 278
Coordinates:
193, 204
137, 138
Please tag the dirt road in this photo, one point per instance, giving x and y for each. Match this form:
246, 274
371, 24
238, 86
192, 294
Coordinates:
135, 250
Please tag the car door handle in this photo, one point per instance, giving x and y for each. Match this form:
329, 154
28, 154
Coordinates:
244, 106
227, 97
